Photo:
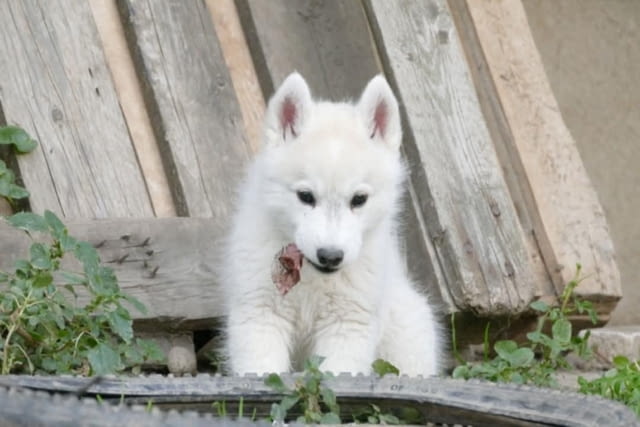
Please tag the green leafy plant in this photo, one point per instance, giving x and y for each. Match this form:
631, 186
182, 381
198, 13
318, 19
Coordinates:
518, 363
621, 383
44, 328
316, 401
372, 414
383, 367
16, 137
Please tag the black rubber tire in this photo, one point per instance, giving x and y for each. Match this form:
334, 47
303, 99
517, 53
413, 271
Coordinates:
35, 401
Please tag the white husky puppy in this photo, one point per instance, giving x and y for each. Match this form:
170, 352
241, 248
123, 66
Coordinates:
329, 179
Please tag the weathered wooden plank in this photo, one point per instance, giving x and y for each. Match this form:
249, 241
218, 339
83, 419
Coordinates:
573, 227
189, 94
240, 64
167, 263
129, 93
326, 42
54, 82
463, 197
502, 137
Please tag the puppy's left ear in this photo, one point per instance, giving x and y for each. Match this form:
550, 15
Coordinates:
379, 108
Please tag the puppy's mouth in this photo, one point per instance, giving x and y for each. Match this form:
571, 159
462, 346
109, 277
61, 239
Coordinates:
322, 269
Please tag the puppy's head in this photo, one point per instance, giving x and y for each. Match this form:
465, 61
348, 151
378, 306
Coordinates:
332, 171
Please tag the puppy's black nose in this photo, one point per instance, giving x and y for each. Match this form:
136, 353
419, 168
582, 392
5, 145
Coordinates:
330, 257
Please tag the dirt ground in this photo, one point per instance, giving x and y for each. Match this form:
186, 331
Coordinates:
591, 53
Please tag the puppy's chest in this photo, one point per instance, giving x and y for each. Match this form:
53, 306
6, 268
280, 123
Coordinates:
306, 303
313, 304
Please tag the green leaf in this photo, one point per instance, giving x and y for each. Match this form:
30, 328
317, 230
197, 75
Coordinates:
67, 243
289, 402
313, 363
5, 185
40, 258
121, 324
521, 357
104, 360
42, 280
277, 412
87, 255
540, 306
73, 279
561, 330
620, 362
312, 384
505, 348
13, 135
28, 221
16, 192
152, 352
275, 382
330, 418
3, 276
382, 368
537, 337
57, 227
135, 303
389, 419
461, 372
329, 399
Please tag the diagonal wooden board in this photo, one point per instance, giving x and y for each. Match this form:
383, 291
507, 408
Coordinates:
464, 200
167, 263
329, 43
189, 93
55, 83
570, 226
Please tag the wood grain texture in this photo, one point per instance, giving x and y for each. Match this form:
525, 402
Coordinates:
129, 93
502, 137
331, 45
573, 226
167, 263
54, 82
464, 200
328, 42
188, 91
240, 65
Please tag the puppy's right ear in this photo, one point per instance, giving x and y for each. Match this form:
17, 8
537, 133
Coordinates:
287, 110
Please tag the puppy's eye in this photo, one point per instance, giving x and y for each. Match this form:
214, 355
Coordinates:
358, 200
306, 197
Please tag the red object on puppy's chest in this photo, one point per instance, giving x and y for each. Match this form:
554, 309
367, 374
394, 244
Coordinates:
285, 271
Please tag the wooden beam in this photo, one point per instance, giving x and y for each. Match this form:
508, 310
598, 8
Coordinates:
502, 137
243, 74
167, 263
571, 227
190, 96
129, 93
465, 203
56, 84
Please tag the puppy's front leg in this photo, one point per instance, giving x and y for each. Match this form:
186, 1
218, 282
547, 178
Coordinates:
258, 342
347, 342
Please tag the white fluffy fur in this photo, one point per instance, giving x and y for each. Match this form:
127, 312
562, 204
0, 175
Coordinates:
369, 307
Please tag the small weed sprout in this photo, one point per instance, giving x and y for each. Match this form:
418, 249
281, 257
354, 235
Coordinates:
316, 401
518, 363
621, 383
